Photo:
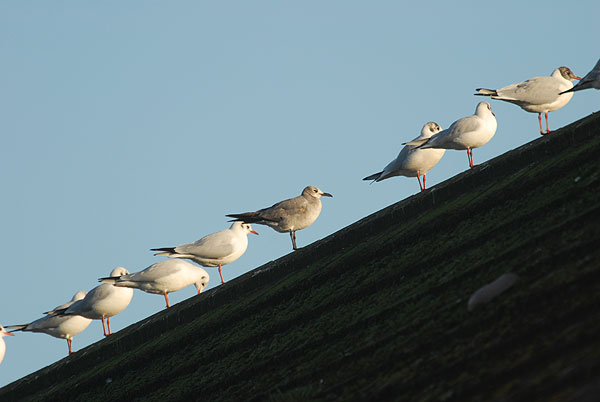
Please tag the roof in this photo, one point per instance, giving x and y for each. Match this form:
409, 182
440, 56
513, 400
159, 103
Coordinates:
378, 310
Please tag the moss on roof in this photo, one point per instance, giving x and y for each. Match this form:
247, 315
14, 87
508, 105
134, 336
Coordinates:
378, 310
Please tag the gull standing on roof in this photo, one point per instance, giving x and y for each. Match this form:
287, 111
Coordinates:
102, 302
537, 95
591, 80
163, 278
214, 250
288, 215
2, 344
58, 326
412, 161
467, 133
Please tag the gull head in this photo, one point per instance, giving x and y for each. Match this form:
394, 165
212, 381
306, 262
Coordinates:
203, 282
483, 109
4, 332
79, 295
567, 74
119, 271
242, 227
430, 129
315, 191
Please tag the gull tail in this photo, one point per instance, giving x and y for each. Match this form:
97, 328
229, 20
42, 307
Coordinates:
168, 251
16, 328
251, 217
419, 142
110, 279
486, 92
56, 312
374, 176
569, 90
247, 217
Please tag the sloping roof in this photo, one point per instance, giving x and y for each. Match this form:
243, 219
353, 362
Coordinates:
378, 311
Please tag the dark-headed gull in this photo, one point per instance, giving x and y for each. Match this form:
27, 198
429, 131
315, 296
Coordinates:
412, 161
214, 250
467, 133
58, 326
537, 95
102, 302
163, 278
288, 215
591, 80
2, 344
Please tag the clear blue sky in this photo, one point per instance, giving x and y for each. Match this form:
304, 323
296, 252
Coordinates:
132, 125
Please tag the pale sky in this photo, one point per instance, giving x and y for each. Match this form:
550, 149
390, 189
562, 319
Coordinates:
134, 125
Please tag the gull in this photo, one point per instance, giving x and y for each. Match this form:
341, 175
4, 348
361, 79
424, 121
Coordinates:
163, 278
214, 250
591, 80
289, 215
2, 344
102, 302
58, 326
467, 133
411, 161
538, 94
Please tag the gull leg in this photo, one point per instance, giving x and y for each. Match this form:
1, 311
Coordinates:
293, 237
69, 344
167, 299
422, 186
222, 281
547, 128
470, 156
541, 128
103, 327
108, 325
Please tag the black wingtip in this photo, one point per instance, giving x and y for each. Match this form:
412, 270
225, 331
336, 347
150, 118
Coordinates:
166, 249
373, 177
108, 277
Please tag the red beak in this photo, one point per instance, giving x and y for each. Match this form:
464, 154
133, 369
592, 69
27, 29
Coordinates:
252, 231
577, 78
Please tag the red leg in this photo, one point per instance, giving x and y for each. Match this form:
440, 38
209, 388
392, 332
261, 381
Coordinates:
167, 299
470, 156
540, 120
424, 187
547, 127
222, 281
103, 327
419, 178
108, 325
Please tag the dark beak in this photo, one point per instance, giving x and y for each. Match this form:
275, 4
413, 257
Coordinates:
326, 195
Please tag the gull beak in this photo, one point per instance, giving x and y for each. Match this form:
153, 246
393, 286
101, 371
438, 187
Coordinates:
252, 231
326, 195
577, 78
9, 333
493, 114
